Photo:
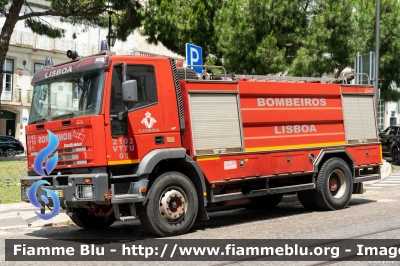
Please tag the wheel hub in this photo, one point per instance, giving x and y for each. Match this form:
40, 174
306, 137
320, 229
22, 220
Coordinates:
333, 184
10, 152
337, 183
173, 205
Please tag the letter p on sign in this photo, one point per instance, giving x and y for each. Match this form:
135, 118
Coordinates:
194, 57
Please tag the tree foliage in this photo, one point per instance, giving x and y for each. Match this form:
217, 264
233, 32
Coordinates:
327, 46
260, 36
339, 29
389, 63
177, 22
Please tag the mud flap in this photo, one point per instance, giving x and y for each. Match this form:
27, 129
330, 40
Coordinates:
358, 188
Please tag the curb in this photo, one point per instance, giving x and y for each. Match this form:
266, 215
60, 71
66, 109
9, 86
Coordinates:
386, 171
60, 224
16, 158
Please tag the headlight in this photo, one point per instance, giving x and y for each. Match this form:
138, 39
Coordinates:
24, 192
84, 192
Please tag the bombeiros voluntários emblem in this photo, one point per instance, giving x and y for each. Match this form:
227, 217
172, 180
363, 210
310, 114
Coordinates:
51, 163
148, 121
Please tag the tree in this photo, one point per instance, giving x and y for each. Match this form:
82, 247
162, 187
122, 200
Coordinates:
177, 22
389, 61
126, 16
328, 46
339, 29
260, 36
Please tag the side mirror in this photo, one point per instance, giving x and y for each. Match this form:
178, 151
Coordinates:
129, 91
129, 95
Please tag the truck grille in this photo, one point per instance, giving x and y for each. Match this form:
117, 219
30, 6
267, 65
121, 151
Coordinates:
71, 156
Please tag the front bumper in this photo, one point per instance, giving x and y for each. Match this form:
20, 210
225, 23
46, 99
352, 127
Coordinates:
73, 188
74, 192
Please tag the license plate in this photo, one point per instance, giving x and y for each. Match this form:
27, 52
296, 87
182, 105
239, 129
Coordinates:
59, 193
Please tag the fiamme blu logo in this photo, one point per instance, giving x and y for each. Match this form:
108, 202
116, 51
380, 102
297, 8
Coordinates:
49, 167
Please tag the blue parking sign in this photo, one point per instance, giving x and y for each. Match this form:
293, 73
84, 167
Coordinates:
194, 56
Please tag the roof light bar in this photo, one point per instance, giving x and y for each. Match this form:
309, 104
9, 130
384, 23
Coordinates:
103, 46
48, 62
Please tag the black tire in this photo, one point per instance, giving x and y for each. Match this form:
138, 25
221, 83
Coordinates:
10, 152
84, 220
170, 190
306, 200
266, 202
190, 73
334, 171
395, 157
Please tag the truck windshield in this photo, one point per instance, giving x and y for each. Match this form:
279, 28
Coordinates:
78, 94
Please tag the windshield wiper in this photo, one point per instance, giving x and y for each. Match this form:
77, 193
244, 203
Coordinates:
40, 120
64, 115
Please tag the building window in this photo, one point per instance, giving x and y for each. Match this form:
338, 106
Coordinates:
381, 114
8, 71
37, 67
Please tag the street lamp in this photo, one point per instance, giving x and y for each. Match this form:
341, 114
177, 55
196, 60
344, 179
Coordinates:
376, 85
111, 38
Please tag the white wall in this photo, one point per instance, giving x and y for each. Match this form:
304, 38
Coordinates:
390, 109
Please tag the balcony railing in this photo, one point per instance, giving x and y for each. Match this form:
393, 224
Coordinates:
11, 96
6, 95
39, 42
17, 96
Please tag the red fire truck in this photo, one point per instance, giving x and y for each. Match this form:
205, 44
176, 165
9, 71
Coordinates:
140, 138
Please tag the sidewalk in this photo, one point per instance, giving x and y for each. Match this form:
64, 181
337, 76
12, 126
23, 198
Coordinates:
20, 215
386, 171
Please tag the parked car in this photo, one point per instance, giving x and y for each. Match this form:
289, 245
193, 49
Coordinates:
390, 139
9, 146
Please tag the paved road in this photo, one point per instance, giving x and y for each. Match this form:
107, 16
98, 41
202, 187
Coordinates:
392, 181
373, 215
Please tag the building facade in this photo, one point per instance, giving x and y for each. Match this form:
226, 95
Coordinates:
28, 51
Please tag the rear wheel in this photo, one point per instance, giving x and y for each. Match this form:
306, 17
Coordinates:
84, 220
334, 185
10, 152
395, 157
306, 200
171, 206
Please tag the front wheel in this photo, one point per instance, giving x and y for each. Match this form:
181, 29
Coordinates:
171, 206
83, 219
395, 157
334, 185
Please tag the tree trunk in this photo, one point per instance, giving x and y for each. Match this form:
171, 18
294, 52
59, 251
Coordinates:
337, 75
5, 35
